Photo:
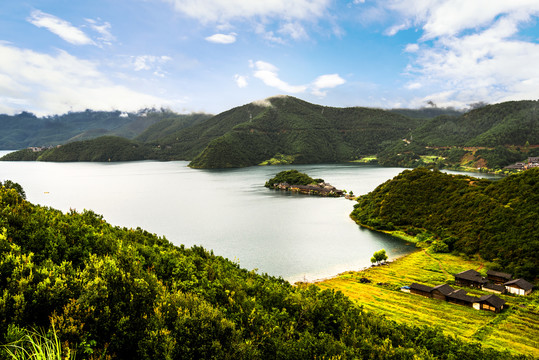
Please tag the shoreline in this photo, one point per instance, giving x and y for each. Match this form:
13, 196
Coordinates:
409, 239
396, 234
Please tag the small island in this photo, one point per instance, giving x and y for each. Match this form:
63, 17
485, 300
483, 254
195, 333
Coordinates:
295, 181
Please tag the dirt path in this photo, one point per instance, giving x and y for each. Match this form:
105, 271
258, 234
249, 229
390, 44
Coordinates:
438, 261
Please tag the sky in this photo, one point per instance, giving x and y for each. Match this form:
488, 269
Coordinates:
209, 56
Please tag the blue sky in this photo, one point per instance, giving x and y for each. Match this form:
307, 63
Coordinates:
211, 55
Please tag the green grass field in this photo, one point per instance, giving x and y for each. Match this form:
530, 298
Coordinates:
366, 159
515, 328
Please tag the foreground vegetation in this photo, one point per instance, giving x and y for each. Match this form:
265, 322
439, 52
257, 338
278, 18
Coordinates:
496, 219
516, 328
106, 291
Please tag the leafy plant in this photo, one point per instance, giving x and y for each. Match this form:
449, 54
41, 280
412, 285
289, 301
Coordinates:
35, 345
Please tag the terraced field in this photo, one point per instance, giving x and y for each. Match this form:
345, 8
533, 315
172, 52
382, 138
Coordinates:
516, 328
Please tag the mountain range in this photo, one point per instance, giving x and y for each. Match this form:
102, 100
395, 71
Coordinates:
284, 129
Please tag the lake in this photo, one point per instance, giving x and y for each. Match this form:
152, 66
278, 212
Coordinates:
294, 236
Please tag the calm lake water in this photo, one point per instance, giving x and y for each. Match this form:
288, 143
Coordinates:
296, 237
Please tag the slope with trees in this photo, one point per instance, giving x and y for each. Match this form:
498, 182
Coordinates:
110, 292
496, 219
285, 129
308, 133
25, 129
492, 136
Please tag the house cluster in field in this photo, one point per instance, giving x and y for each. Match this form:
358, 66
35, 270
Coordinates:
532, 162
321, 189
497, 282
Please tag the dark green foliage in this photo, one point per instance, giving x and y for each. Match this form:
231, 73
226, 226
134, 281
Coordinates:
22, 155
24, 130
379, 256
292, 177
508, 123
499, 156
503, 128
497, 219
427, 112
128, 294
8, 184
106, 148
307, 132
286, 127
170, 125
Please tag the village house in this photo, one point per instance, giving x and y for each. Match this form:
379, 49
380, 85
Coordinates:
497, 277
323, 189
460, 297
495, 288
420, 289
441, 292
496, 282
532, 162
490, 303
470, 278
518, 287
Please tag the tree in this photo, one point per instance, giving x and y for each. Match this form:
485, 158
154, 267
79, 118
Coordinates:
379, 256
8, 184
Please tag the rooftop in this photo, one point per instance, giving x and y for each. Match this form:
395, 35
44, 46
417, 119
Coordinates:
492, 300
420, 287
521, 283
471, 275
444, 289
499, 274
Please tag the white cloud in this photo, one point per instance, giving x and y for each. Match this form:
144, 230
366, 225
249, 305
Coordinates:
103, 30
452, 17
294, 30
414, 86
268, 74
53, 84
60, 27
470, 50
326, 82
222, 38
268, 35
411, 48
150, 63
226, 10
240, 80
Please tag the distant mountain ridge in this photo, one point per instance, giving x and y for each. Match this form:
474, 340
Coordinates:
26, 130
284, 129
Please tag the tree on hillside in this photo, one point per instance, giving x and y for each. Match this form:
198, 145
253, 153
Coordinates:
379, 256
8, 184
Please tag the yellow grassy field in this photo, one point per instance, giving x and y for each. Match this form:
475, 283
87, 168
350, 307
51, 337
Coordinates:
515, 329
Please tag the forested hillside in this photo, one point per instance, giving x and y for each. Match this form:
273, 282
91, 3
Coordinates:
508, 123
25, 129
496, 219
307, 133
285, 129
492, 137
119, 293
